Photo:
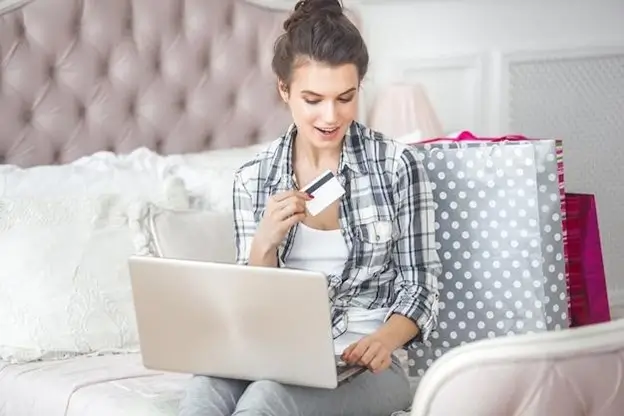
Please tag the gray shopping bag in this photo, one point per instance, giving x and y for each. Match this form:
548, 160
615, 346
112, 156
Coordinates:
500, 239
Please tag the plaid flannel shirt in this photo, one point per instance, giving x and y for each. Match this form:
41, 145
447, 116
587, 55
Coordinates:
386, 217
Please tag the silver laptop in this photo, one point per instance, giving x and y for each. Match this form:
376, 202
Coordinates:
241, 322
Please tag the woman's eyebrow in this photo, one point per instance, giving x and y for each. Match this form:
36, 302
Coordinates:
319, 95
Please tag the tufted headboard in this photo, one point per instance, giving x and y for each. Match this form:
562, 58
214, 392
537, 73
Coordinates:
176, 76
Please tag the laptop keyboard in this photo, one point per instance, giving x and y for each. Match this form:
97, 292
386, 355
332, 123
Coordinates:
345, 370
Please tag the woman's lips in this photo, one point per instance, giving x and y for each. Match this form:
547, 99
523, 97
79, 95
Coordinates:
327, 133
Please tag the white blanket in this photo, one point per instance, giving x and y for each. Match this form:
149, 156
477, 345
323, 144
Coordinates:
89, 386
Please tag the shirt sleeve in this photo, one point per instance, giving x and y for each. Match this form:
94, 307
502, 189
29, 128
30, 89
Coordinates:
244, 220
415, 257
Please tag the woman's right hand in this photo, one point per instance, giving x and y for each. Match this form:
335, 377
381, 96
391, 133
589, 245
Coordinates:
283, 210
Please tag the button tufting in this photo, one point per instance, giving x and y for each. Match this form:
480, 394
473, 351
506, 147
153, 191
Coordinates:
229, 15
103, 69
110, 148
158, 145
208, 140
157, 63
81, 111
128, 23
254, 135
76, 23
254, 56
26, 116
232, 99
182, 103
204, 58
51, 71
20, 29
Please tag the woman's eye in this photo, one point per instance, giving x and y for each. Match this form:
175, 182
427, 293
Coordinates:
342, 100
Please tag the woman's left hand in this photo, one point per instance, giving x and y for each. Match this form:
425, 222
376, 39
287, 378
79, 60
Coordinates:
369, 352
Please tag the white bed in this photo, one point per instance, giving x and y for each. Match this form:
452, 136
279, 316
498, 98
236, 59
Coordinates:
182, 225
114, 112
96, 386
122, 122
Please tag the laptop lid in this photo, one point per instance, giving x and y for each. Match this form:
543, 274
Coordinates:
234, 321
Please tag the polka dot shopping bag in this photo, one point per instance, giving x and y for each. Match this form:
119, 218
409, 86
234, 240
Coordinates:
499, 211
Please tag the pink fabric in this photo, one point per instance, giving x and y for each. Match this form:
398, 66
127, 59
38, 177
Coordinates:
587, 280
571, 372
176, 76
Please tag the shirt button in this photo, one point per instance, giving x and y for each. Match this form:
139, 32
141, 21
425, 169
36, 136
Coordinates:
377, 237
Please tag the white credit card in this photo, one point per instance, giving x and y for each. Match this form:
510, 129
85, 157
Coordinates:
325, 189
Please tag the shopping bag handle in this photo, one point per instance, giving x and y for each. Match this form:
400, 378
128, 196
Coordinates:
468, 136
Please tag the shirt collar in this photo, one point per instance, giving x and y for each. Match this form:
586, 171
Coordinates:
352, 157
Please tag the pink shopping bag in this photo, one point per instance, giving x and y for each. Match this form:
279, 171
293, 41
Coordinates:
589, 303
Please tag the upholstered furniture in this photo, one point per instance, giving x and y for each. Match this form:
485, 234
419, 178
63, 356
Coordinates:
175, 76
106, 107
562, 373
122, 121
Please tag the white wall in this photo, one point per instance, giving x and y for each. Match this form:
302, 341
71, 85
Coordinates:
541, 68
549, 68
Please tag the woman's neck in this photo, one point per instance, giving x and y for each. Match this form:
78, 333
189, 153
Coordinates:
314, 158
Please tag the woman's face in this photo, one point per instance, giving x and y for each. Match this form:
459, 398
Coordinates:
323, 101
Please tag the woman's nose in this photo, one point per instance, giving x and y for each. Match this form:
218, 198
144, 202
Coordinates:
329, 113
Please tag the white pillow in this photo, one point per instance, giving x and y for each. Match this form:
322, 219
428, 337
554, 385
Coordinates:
65, 242
209, 176
141, 173
187, 234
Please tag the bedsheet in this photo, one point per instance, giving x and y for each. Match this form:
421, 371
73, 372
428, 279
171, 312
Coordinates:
92, 386
89, 386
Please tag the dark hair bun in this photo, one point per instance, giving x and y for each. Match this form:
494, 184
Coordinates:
313, 9
318, 30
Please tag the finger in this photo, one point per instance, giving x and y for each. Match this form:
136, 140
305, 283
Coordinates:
347, 351
371, 353
288, 209
288, 202
358, 351
380, 363
292, 220
294, 201
281, 196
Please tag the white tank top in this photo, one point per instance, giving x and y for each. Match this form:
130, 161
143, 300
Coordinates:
318, 250
326, 251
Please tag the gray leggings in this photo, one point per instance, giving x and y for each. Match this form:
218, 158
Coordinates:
366, 395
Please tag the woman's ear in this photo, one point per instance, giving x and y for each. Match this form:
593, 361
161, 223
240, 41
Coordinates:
283, 90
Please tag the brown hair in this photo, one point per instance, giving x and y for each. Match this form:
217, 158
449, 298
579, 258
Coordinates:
318, 30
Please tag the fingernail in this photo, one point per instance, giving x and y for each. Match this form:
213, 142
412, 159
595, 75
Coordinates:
310, 196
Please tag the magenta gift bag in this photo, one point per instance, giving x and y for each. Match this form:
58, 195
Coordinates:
589, 303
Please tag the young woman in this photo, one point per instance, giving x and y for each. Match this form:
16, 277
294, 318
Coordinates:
376, 244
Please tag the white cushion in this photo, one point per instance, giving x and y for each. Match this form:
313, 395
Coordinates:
209, 176
65, 240
100, 173
187, 234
